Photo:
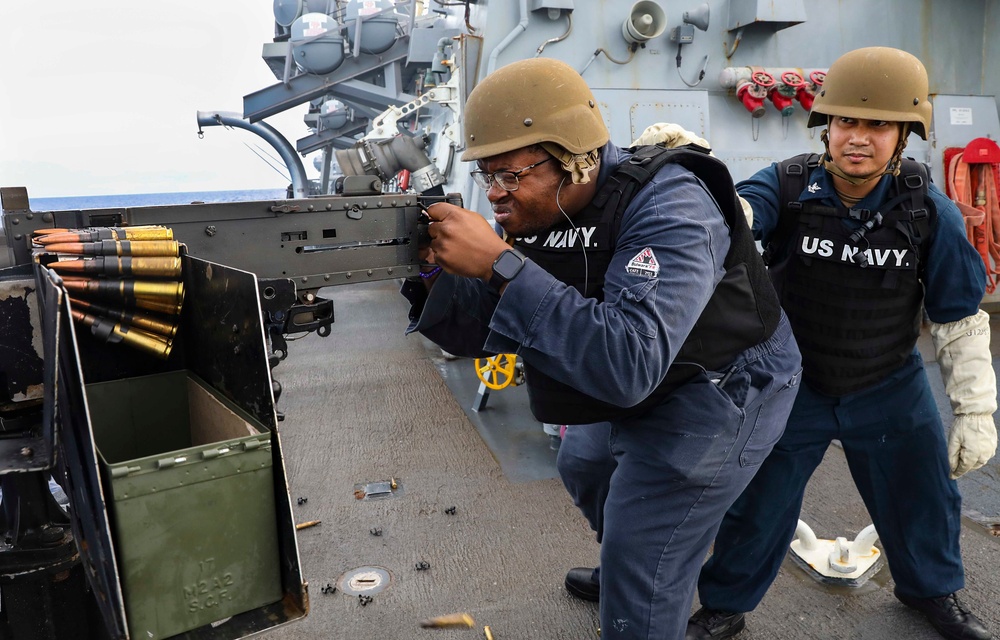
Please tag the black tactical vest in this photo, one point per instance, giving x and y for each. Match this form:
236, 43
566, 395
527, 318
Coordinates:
852, 293
742, 312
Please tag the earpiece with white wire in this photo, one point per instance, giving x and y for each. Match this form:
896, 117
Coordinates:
583, 245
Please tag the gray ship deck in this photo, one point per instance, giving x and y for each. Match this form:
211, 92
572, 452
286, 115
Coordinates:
367, 404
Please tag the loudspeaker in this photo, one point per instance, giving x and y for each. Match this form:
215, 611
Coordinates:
698, 17
646, 21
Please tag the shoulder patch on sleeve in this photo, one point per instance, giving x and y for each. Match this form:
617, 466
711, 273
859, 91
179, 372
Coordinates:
644, 264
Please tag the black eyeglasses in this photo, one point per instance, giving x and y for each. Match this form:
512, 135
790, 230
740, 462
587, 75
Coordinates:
506, 179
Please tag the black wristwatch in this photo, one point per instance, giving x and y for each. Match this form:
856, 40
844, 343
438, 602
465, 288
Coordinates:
505, 268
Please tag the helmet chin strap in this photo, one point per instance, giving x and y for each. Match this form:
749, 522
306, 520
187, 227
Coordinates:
892, 167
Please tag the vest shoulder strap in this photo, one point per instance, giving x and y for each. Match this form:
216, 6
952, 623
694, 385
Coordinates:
914, 179
631, 175
921, 215
793, 173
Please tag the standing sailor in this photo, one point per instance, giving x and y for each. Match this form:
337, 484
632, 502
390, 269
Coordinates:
857, 248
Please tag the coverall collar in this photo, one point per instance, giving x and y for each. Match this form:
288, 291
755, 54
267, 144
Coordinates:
820, 189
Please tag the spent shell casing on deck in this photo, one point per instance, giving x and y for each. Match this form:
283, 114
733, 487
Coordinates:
159, 267
96, 234
132, 317
116, 248
171, 293
448, 621
115, 332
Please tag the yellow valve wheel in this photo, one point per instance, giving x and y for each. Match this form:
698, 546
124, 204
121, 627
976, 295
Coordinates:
497, 372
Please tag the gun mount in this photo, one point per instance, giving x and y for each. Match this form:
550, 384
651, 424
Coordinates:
252, 271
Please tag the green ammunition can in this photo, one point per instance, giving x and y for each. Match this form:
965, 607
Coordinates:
193, 514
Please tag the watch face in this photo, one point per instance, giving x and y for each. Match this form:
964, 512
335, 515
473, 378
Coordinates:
508, 265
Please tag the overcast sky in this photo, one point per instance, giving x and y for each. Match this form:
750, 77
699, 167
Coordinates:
100, 97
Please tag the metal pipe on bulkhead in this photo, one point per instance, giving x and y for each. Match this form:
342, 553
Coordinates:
522, 25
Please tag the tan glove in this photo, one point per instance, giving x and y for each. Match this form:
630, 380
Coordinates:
674, 135
670, 135
963, 353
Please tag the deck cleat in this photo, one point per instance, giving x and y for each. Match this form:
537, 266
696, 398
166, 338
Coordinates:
839, 561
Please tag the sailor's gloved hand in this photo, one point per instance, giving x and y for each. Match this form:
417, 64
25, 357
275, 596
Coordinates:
673, 135
963, 353
971, 443
670, 135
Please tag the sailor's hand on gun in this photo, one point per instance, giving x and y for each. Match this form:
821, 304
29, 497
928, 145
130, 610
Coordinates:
463, 242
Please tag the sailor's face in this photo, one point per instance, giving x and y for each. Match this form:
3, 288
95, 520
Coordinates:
531, 207
861, 148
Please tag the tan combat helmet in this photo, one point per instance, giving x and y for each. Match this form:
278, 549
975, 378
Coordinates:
875, 83
530, 102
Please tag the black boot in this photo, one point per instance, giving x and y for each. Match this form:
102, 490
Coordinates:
949, 616
709, 624
582, 583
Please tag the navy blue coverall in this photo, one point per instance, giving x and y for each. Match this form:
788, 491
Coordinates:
681, 464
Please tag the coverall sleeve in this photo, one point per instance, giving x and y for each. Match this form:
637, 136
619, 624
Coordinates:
454, 314
667, 260
760, 191
954, 276
955, 282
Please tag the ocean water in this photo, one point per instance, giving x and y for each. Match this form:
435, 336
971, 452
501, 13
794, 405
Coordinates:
151, 199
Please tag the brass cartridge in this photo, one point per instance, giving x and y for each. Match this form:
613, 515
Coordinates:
96, 234
168, 292
114, 332
37, 233
131, 317
449, 621
116, 248
160, 267
168, 308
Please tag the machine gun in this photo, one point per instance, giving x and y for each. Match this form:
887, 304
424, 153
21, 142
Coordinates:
294, 247
59, 571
